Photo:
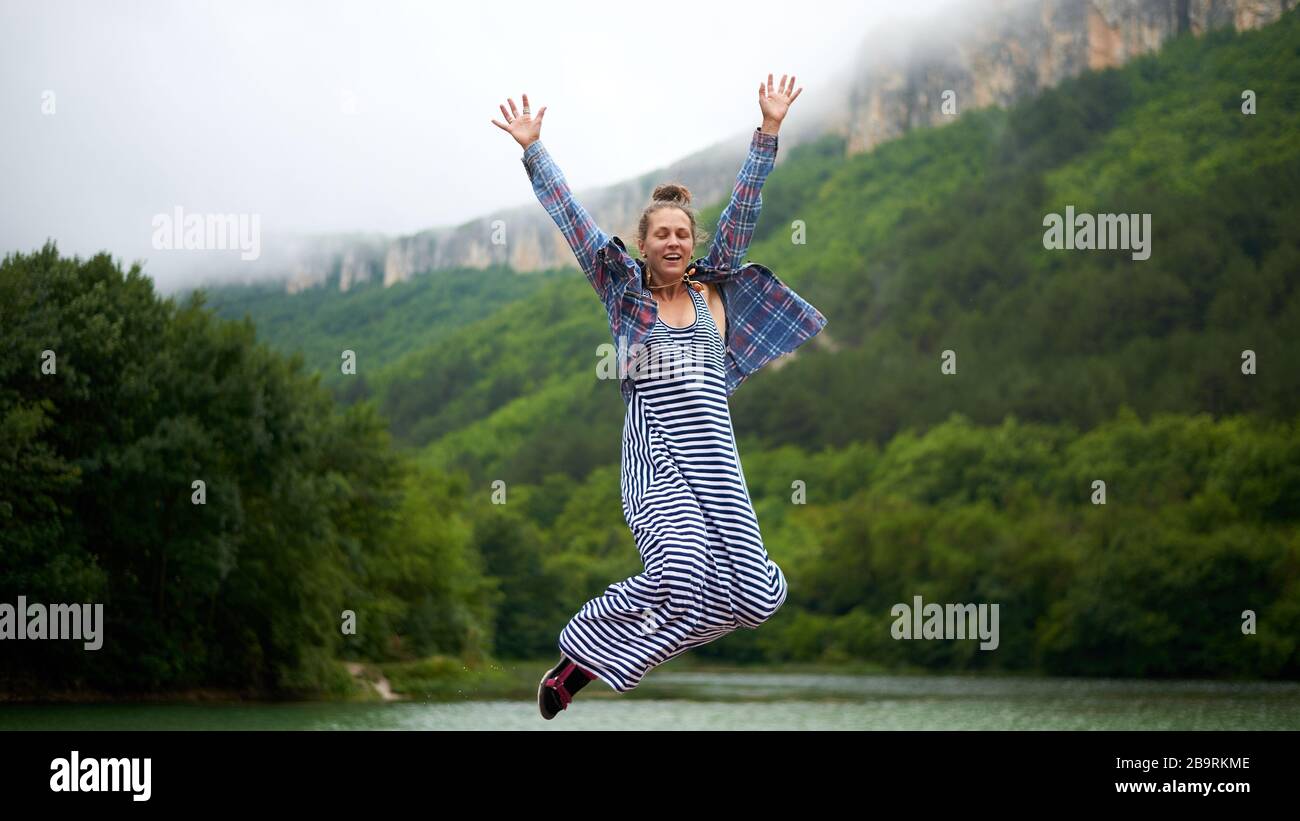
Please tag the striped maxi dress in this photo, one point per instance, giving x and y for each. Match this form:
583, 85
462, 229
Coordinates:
688, 506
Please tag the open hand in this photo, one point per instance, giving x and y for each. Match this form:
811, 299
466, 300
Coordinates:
775, 103
522, 127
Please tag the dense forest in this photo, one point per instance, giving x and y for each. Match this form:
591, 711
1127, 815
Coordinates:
876, 475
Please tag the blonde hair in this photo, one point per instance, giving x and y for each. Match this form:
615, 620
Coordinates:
670, 195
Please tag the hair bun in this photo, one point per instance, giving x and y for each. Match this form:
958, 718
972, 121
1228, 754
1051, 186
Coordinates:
672, 192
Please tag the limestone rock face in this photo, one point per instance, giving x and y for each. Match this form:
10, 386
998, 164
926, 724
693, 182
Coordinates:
1013, 49
1001, 52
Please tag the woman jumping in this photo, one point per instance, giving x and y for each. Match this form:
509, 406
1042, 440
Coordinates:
687, 334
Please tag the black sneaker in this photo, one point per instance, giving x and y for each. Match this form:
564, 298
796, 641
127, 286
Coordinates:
553, 692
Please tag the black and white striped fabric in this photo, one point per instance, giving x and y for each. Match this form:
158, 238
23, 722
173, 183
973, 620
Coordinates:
687, 503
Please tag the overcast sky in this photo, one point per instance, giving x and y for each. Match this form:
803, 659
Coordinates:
370, 116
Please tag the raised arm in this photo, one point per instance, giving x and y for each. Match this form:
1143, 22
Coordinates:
552, 190
581, 231
740, 217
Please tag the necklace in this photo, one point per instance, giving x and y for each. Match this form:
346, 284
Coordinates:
698, 286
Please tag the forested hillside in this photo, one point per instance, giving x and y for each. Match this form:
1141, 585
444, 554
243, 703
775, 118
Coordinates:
877, 477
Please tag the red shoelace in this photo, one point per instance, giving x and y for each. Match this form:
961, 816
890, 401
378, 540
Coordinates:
557, 683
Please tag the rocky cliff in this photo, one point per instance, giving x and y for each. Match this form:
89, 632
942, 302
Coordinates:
1008, 49
531, 241
993, 52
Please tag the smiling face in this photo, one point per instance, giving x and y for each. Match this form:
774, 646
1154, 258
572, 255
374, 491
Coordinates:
668, 244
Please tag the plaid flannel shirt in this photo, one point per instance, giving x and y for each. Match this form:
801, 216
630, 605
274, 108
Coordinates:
765, 317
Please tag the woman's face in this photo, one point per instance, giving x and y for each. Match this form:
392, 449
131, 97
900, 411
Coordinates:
668, 243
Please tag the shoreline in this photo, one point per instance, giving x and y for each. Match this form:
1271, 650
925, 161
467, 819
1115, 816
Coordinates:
373, 682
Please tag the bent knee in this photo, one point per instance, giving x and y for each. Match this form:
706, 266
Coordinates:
753, 612
754, 606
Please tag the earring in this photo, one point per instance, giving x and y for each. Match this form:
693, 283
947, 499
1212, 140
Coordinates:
698, 286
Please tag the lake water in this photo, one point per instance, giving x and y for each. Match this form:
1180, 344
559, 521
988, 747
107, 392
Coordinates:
758, 701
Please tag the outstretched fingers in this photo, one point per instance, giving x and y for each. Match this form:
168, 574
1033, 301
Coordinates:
786, 88
520, 126
506, 116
